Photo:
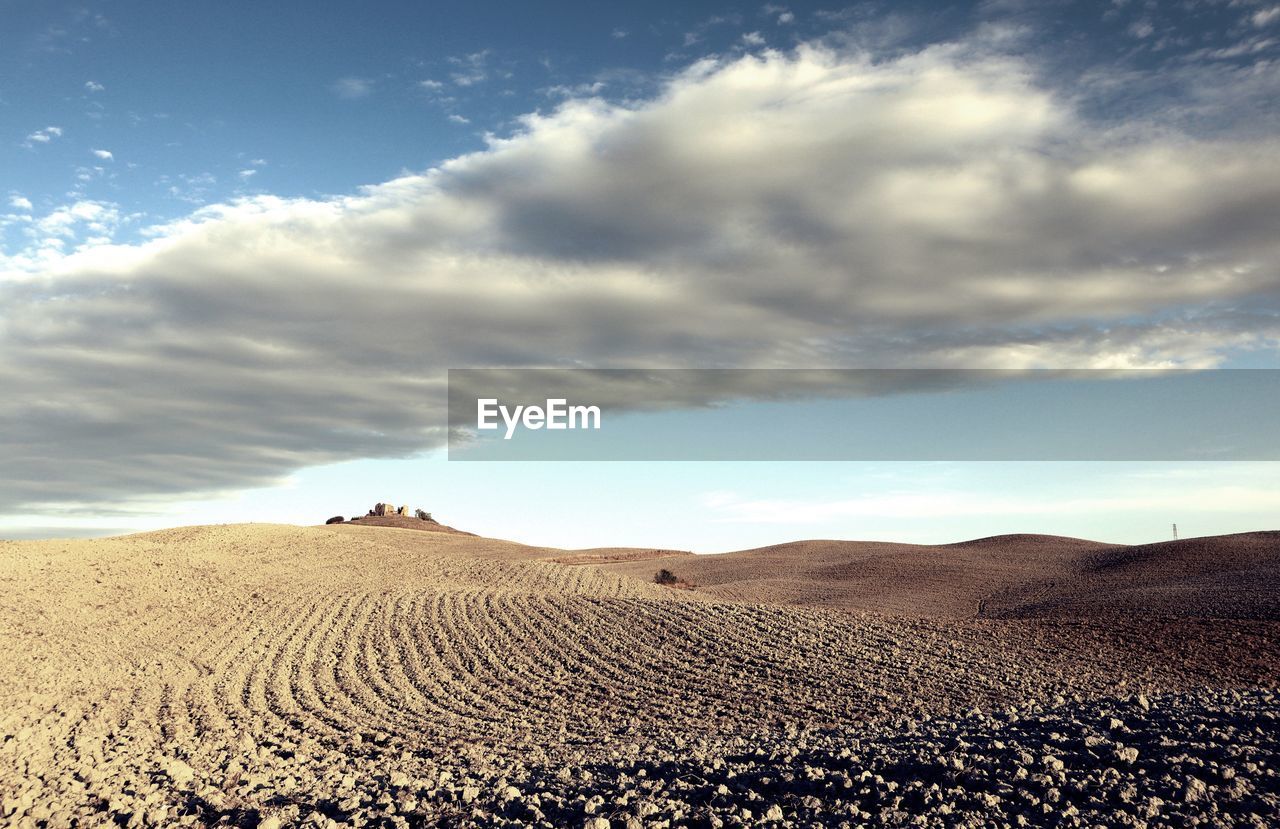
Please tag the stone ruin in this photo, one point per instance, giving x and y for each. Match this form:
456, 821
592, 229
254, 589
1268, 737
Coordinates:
384, 508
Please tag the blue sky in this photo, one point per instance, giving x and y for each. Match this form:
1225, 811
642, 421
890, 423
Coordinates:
241, 244
311, 102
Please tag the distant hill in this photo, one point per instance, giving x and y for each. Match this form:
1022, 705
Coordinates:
1009, 576
234, 674
1227, 576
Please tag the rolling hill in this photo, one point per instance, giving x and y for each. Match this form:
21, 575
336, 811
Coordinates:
1010, 576
349, 675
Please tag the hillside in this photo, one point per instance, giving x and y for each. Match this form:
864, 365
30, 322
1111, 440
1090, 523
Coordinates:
403, 522
1230, 576
1002, 576
266, 675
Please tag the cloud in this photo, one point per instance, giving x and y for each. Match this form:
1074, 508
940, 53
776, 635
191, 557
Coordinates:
93, 86
811, 208
20, 202
43, 136
193, 189
470, 69
245, 175
430, 85
753, 39
459, 119
351, 88
105, 155
96, 217
586, 89
1142, 29
780, 13
1265, 17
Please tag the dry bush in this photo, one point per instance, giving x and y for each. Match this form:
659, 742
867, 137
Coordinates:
665, 576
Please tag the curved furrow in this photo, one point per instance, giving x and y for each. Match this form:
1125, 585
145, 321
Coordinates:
325, 713
476, 659
231, 674
634, 626
418, 676
430, 673
383, 660
539, 657
261, 691
452, 641
355, 678
327, 697
504, 660
604, 681
706, 652
437, 645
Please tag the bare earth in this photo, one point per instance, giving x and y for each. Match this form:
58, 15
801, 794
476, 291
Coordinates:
264, 675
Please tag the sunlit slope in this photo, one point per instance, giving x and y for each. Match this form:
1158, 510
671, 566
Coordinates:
1227, 576
947, 581
1235, 576
222, 668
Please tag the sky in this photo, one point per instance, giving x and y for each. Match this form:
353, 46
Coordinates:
242, 244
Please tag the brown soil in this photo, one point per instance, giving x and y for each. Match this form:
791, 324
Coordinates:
612, 556
1011, 576
403, 522
377, 676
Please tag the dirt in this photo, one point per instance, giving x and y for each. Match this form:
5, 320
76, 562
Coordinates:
403, 522
612, 556
349, 675
1012, 576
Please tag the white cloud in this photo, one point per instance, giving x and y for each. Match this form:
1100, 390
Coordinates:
20, 202
458, 119
780, 13
194, 189
814, 208
93, 86
351, 88
105, 155
43, 136
1265, 17
586, 89
619, 34
433, 86
753, 39
247, 174
1142, 29
470, 69
74, 227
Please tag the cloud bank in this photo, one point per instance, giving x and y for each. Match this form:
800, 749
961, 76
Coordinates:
815, 208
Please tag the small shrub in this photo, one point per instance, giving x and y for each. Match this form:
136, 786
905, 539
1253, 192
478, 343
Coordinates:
665, 576
337, 519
